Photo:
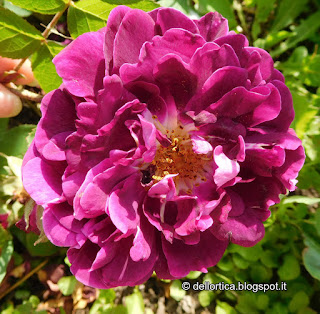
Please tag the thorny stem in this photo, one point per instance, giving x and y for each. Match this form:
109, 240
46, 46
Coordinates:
22, 280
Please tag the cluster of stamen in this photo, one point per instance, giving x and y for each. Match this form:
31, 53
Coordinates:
179, 158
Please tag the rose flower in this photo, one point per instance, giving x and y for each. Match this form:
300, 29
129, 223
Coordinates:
168, 139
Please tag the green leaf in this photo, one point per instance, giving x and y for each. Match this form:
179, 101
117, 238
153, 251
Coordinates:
80, 22
182, 6
176, 291
311, 145
224, 7
194, 274
262, 302
54, 47
260, 273
287, 12
311, 261
290, 269
205, 298
264, 8
3, 124
34, 300
134, 303
224, 308
13, 142
302, 32
6, 253
304, 115
66, 261
225, 264
91, 15
106, 296
311, 70
17, 10
251, 254
311, 254
317, 221
301, 199
239, 261
299, 301
41, 249
22, 294
67, 284
31, 135
18, 39
40, 6
269, 258
43, 68
247, 303
104, 303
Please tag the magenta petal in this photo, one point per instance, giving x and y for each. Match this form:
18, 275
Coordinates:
54, 149
268, 110
114, 20
212, 26
125, 202
237, 204
58, 117
226, 169
81, 64
183, 258
60, 226
287, 140
266, 64
245, 230
289, 171
264, 161
164, 188
238, 42
81, 261
31, 153
125, 271
218, 84
91, 199
110, 99
239, 101
143, 242
172, 72
42, 181
200, 145
136, 28
171, 18
286, 115
149, 138
178, 41
105, 255
209, 58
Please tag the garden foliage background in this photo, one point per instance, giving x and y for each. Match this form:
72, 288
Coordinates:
36, 279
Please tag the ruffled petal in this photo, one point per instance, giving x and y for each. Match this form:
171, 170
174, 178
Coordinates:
81, 64
182, 258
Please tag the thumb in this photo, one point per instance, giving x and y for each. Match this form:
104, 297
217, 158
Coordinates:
10, 104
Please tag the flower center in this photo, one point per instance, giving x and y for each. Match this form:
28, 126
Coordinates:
178, 157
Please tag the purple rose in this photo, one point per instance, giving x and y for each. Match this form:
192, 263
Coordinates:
168, 139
